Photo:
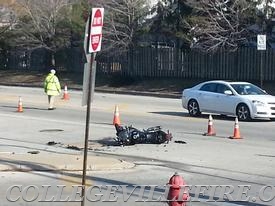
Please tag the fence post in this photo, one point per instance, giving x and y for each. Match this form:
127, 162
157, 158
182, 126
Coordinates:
236, 58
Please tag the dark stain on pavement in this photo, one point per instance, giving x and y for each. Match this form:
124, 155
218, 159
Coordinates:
51, 130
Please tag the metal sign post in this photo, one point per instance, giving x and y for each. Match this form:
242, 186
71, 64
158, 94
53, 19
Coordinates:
92, 44
261, 70
87, 134
88, 69
261, 46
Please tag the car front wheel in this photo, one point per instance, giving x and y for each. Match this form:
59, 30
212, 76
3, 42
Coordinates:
243, 112
193, 108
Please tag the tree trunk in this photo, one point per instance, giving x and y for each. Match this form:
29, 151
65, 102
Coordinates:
53, 59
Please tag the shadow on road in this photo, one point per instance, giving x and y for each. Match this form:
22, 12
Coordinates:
206, 116
108, 141
30, 108
17, 145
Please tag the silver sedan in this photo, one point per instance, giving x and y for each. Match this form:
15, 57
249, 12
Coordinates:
241, 99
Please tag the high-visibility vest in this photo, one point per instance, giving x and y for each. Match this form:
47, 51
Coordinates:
52, 85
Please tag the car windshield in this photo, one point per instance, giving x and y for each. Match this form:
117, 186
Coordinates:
247, 89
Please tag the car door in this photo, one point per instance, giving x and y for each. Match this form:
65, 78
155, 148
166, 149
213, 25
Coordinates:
224, 103
207, 97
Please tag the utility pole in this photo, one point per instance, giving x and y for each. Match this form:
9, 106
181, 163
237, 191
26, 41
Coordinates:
178, 41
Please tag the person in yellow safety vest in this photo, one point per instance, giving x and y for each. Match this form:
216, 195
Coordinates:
52, 88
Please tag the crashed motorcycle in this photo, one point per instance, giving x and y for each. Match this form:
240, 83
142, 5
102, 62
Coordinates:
129, 135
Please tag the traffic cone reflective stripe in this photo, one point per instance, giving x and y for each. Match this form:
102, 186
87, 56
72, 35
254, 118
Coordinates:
210, 129
65, 95
236, 134
116, 119
20, 105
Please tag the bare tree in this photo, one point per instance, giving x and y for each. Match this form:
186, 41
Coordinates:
123, 23
44, 24
221, 24
7, 22
7, 18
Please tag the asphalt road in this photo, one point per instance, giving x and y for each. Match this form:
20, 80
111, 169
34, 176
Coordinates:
201, 161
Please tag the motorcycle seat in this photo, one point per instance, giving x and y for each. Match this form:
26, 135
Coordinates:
153, 129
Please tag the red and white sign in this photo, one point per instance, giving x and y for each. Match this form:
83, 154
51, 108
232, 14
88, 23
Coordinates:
96, 30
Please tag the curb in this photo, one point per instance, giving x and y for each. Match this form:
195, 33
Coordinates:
110, 91
46, 161
141, 93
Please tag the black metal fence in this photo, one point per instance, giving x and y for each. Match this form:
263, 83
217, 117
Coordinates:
40, 59
244, 64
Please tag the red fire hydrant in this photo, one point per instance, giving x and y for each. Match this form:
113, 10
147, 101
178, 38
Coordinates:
178, 195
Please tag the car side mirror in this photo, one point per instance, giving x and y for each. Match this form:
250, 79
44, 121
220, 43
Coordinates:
228, 92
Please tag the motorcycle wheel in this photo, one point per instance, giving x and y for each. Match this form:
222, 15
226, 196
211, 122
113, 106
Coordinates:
161, 137
128, 142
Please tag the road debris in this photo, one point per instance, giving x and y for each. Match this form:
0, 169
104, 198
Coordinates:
53, 143
33, 152
180, 142
73, 147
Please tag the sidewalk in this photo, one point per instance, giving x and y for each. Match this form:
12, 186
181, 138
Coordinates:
158, 88
48, 161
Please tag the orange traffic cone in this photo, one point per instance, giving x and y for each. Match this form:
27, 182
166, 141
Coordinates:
116, 119
210, 129
236, 134
66, 95
20, 105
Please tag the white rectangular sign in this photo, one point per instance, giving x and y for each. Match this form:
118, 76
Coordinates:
261, 42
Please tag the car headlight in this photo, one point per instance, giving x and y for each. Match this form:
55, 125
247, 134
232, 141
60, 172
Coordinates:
258, 103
